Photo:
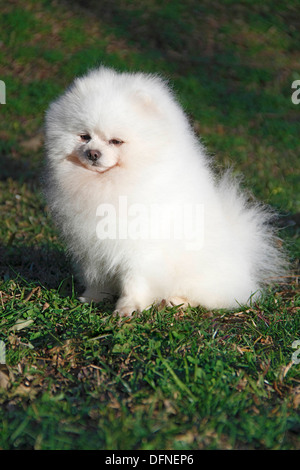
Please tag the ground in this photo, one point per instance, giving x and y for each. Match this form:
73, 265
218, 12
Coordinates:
75, 377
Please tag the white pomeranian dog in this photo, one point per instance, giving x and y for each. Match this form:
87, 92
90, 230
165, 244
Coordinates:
139, 207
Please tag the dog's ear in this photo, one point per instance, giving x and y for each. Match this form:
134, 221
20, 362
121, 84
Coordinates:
144, 97
145, 101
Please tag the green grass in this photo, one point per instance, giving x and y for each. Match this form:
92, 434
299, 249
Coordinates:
81, 379
75, 376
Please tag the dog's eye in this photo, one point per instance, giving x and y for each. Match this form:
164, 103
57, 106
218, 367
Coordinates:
117, 142
85, 137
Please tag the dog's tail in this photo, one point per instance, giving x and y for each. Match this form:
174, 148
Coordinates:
255, 226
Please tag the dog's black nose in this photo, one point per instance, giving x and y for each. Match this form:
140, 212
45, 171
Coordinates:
93, 155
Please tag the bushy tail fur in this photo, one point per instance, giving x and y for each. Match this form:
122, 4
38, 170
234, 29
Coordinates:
255, 225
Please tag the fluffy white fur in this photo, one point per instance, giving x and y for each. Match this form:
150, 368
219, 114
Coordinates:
149, 154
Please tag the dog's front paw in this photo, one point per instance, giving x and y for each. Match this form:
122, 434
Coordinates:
86, 299
180, 302
92, 295
126, 308
125, 311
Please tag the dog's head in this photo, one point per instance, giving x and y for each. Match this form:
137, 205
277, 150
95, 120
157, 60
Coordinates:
107, 119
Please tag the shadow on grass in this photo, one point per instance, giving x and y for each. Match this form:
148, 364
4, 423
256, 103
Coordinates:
20, 163
40, 265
